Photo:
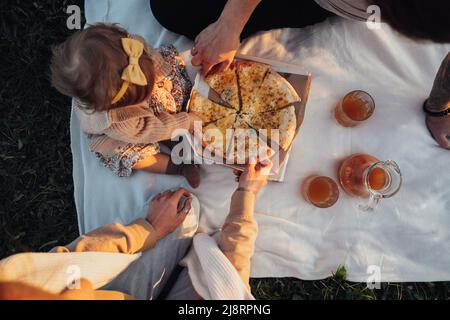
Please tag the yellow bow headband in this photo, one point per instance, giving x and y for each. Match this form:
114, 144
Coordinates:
133, 72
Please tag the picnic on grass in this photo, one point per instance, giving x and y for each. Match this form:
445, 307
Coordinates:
235, 139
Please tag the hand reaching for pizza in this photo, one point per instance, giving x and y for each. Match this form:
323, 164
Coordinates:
254, 177
215, 46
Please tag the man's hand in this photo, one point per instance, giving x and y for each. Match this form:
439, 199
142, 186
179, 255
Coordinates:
254, 177
440, 130
168, 210
215, 46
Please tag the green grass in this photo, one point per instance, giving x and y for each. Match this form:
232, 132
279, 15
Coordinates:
337, 288
37, 210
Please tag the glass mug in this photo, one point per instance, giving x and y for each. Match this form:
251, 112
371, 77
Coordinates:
319, 191
364, 176
356, 107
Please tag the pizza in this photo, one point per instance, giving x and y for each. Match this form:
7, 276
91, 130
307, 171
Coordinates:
274, 93
250, 77
256, 117
284, 120
217, 135
242, 122
246, 145
226, 85
207, 110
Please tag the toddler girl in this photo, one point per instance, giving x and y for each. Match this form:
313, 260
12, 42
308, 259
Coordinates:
128, 98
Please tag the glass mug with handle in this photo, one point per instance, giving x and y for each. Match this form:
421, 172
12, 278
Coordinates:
364, 176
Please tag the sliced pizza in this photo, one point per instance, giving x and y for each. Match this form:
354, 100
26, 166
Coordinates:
247, 146
250, 77
216, 136
241, 122
226, 123
280, 125
226, 85
274, 93
208, 110
257, 116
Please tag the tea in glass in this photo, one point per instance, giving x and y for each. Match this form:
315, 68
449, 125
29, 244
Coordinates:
322, 192
354, 108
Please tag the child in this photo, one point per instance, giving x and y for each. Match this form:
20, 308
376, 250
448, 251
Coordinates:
128, 98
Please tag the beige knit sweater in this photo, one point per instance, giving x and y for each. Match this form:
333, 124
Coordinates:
134, 124
237, 240
131, 124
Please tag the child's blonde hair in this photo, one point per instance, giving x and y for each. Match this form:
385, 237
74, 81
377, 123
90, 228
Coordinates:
89, 65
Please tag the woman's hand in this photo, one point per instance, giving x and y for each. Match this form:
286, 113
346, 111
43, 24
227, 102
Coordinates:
254, 177
215, 46
168, 210
440, 130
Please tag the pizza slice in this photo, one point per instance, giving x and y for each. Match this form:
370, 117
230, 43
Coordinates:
285, 120
242, 122
216, 137
274, 93
246, 146
226, 123
226, 85
208, 110
250, 77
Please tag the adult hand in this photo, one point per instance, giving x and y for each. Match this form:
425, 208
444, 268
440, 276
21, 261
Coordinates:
168, 210
215, 46
254, 177
440, 130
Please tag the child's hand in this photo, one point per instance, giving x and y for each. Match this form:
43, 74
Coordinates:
165, 213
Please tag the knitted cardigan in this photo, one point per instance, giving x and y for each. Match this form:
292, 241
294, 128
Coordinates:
136, 124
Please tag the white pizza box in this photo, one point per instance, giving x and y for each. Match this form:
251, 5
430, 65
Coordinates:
299, 81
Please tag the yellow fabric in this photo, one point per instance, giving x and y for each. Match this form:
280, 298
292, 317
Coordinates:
22, 291
238, 236
133, 72
121, 92
237, 242
138, 236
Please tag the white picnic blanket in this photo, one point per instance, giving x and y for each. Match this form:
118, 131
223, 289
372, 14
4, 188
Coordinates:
408, 237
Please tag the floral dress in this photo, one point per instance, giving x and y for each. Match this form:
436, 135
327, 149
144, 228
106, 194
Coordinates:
172, 100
